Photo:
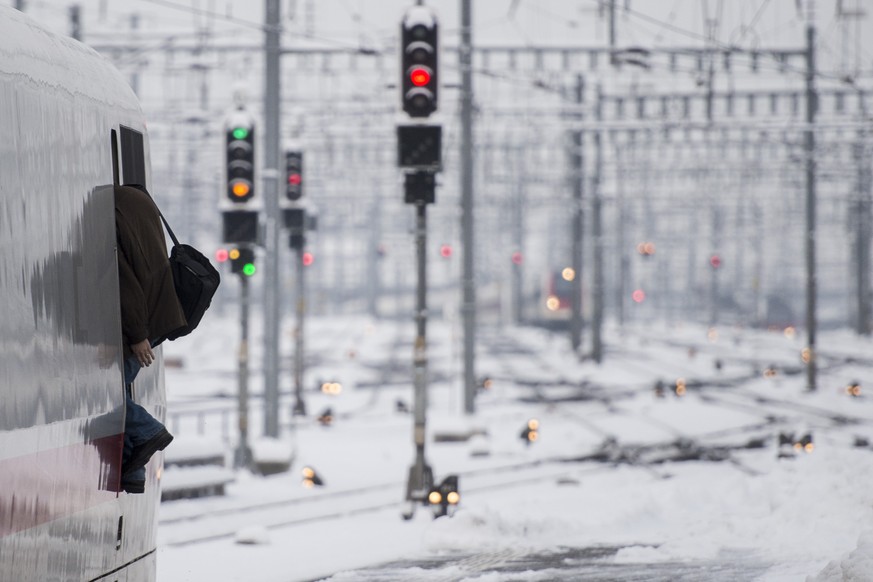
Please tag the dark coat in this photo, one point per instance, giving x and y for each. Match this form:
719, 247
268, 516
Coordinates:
150, 308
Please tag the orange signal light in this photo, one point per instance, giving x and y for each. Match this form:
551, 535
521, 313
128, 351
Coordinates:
240, 189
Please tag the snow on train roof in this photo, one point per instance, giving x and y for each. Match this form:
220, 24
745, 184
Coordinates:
27, 49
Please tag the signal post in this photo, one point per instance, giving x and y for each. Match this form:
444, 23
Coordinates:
295, 220
419, 155
240, 228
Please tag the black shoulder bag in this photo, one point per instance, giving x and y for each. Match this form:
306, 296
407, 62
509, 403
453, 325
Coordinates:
195, 279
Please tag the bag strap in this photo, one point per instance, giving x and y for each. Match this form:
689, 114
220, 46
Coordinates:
170, 230
142, 188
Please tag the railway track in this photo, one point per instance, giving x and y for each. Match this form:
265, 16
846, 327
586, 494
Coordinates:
767, 415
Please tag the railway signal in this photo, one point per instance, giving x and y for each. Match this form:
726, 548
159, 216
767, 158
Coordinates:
240, 226
242, 261
445, 496
326, 417
311, 478
715, 261
419, 147
531, 431
293, 175
240, 161
419, 55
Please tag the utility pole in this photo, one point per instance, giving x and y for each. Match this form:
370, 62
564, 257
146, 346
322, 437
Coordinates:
243, 455
299, 408
612, 59
76, 21
468, 307
374, 255
621, 229
420, 474
597, 234
862, 235
518, 237
715, 263
577, 180
270, 163
809, 151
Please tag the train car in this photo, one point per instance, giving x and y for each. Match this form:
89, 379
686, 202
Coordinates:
556, 298
71, 130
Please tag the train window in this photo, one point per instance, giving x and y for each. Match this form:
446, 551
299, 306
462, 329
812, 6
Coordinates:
132, 156
114, 140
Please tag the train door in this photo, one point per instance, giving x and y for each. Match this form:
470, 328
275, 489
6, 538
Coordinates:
137, 531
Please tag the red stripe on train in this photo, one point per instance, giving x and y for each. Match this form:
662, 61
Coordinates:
55, 483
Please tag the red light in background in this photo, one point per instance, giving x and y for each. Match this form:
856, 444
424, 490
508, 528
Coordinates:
294, 179
638, 296
419, 77
715, 261
308, 259
221, 255
516, 258
446, 251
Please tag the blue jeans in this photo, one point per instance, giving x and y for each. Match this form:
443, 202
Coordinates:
139, 425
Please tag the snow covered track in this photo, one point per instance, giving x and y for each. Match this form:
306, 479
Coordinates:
621, 483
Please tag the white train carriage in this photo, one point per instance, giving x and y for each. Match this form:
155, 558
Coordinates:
71, 129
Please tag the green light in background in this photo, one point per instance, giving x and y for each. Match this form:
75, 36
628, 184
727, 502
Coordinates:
240, 133
248, 269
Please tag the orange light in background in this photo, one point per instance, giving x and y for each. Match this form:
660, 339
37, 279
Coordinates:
553, 303
646, 249
568, 274
806, 355
240, 189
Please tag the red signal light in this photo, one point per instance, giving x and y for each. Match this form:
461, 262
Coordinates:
294, 179
446, 251
639, 296
308, 259
715, 261
221, 255
419, 77
516, 258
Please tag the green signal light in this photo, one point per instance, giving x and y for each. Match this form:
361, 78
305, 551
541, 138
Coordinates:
248, 269
240, 133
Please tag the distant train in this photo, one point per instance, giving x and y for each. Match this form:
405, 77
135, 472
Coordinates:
557, 299
554, 298
72, 128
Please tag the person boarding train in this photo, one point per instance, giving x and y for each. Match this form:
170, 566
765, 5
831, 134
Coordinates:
150, 311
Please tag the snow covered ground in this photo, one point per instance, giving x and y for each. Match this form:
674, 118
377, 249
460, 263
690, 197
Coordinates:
596, 497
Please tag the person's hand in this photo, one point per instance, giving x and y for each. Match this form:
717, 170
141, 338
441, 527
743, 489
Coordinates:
143, 352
